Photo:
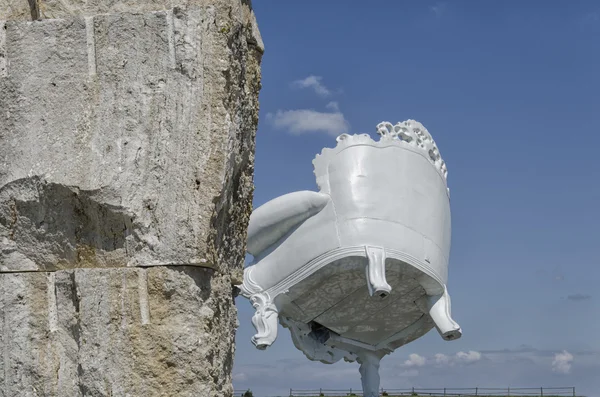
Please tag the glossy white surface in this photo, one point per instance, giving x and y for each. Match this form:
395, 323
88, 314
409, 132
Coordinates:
359, 268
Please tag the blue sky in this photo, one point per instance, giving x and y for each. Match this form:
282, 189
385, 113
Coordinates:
510, 91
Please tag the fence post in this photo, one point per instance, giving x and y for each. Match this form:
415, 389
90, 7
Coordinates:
542, 391
291, 392
444, 391
574, 392
413, 390
476, 391
350, 391
508, 392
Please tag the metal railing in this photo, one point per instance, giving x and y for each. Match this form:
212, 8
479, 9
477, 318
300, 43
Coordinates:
450, 392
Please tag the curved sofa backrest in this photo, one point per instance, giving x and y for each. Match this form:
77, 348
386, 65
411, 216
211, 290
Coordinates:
388, 194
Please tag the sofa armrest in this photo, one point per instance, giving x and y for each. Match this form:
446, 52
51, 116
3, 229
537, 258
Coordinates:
272, 220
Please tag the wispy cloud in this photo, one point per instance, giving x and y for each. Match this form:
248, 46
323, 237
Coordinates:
592, 17
314, 83
333, 106
469, 357
239, 377
523, 366
302, 121
438, 9
460, 358
409, 373
579, 297
589, 21
562, 362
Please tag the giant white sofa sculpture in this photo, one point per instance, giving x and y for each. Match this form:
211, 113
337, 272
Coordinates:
359, 268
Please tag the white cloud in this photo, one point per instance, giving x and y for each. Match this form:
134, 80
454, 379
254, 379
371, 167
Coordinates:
442, 359
306, 120
313, 82
562, 362
459, 358
470, 357
521, 367
333, 106
439, 359
414, 360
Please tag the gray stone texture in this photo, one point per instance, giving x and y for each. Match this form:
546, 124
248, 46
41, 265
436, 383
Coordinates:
127, 133
128, 138
161, 331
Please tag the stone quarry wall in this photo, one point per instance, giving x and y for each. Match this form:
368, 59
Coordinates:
127, 133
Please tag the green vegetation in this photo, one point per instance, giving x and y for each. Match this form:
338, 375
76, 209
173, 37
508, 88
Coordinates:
247, 393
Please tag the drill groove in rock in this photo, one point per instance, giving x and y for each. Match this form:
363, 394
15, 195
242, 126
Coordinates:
91, 338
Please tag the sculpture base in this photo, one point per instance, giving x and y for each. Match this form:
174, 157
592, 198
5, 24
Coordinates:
369, 372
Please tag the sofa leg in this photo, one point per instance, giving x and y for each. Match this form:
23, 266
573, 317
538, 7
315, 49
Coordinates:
440, 311
264, 320
376, 281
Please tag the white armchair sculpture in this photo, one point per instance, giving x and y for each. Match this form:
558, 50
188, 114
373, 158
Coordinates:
359, 268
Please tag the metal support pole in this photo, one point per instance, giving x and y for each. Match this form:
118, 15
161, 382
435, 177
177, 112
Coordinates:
542, 391
476, 391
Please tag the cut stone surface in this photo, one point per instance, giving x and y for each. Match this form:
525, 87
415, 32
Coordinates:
128, 139
162, 331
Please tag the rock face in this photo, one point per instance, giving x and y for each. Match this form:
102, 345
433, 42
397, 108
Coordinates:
126, 161
161, 331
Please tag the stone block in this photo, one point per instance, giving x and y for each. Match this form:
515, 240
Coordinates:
128, 138
127, 133
162, 331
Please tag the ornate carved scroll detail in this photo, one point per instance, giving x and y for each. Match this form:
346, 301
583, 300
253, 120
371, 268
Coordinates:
264, 320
